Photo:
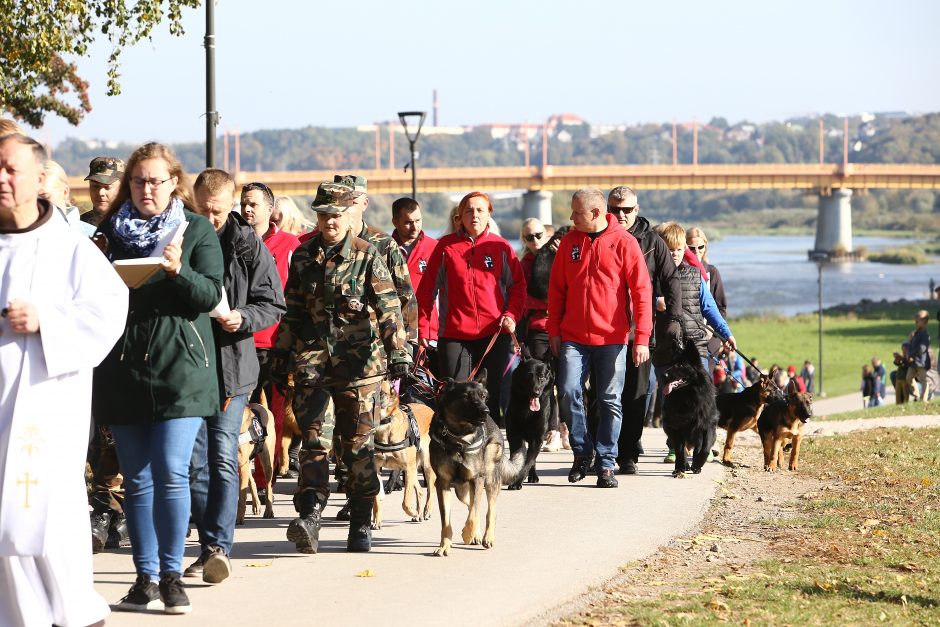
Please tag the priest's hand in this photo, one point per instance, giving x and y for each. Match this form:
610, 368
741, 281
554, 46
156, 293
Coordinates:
172, 258
231, 322
22, 316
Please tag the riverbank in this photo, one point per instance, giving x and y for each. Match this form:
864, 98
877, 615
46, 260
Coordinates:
852, 335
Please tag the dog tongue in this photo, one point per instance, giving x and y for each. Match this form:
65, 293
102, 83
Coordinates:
534, 404
671, 386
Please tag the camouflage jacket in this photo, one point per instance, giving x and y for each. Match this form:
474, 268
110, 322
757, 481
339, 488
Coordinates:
343, 320
396, 263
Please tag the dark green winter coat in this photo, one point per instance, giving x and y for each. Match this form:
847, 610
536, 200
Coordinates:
164, 365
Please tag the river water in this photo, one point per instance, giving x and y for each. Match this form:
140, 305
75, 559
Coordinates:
771, 274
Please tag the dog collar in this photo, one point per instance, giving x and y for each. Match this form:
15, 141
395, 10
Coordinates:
453, 442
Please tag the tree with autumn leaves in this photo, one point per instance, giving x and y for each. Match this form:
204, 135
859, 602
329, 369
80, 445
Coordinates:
39, 40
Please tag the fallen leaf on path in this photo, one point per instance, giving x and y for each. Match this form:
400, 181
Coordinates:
718, 605
259, 564
366, 573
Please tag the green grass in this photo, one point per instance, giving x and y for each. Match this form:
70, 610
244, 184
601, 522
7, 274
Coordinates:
930, 408
865, 554
852, 335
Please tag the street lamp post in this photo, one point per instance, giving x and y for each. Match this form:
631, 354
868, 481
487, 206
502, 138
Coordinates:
412, 121
820, 258
212, 116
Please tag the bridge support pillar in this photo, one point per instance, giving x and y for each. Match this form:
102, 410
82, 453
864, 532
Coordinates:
537, 204
834, 222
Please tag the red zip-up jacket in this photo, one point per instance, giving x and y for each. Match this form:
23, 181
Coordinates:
418, 260
475, 282
592, 287
282, 245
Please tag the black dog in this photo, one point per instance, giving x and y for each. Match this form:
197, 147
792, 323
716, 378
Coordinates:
690, 417
532, 411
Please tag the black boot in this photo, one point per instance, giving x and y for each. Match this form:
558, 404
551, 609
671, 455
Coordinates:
360, 526
304, 531
117, 535
343, 513
100, 524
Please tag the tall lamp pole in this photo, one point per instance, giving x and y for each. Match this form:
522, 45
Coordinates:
820, 258
412, 121
212, 116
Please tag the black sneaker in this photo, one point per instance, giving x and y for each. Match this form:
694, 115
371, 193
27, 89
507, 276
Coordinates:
606, 478
144, 595
174, 596
196, 568
579, 469
217, 568
628, 467
100, 524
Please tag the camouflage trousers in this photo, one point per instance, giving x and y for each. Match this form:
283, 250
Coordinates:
352, 412
107, 492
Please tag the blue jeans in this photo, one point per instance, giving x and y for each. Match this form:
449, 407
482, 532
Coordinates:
609, 365
154, 459
213, 480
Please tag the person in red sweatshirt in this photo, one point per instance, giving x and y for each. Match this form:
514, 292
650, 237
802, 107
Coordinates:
415, 245
599, 288
481, 291
257, 203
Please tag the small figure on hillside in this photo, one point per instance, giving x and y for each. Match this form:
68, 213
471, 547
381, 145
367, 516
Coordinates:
809, 376
869, 388
881, 378
918, 358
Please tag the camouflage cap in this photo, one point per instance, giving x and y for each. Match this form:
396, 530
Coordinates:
358, 183
332, 198
105, 170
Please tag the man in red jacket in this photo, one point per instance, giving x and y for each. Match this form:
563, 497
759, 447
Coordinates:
415, 245
599, 286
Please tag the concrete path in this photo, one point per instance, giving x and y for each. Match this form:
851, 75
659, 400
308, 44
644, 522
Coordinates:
554, 540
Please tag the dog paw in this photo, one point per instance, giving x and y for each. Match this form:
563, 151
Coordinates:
376, 525
443, 550
728, 463
532, 480
488, 542
427, 516
514, 486
678, 474
768, 469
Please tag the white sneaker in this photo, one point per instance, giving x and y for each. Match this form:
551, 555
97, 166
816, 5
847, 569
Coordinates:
554, 444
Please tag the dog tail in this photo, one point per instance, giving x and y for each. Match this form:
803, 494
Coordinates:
514, 468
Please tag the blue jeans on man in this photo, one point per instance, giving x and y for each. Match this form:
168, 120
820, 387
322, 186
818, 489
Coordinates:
214, 476
608, 364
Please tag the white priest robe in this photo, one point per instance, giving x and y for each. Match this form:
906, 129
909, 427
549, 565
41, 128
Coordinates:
46, 573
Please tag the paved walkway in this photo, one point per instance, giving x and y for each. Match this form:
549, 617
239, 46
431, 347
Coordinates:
554, 541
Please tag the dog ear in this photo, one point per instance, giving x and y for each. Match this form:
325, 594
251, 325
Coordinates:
481, 377
792, 387
526, 353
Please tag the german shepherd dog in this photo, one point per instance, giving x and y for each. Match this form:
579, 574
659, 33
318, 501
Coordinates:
689, 413
783, 419
740, 411
289, 429
467, 453
532, 409
248, 449
401, 445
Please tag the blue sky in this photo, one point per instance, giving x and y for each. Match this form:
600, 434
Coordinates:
284, 64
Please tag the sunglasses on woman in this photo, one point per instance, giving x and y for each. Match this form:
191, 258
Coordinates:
533, 237
699, 247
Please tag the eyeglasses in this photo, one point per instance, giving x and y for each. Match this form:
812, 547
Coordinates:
699, 247
138, 182
624, 210
533, 237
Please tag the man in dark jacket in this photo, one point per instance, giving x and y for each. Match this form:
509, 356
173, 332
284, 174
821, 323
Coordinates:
252, 300
622, 203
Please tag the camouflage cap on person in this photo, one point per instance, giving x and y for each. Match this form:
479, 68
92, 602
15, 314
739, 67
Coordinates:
358, 184
105, 170
332, 198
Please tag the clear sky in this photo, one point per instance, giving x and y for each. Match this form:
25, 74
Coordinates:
293, 63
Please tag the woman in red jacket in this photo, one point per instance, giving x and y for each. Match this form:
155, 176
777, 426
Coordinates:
480, 288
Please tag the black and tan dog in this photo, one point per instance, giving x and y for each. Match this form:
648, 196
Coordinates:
402, 440
532, 411
784, 419
467, 453
689, 413
739, 411
256, 439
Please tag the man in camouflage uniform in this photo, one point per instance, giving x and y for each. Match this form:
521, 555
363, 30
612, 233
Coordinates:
342, 335
397, 264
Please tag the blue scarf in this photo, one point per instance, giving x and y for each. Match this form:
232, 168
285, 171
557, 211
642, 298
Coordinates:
136, 236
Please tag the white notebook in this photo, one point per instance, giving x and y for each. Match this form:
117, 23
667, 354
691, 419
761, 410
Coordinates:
136, 272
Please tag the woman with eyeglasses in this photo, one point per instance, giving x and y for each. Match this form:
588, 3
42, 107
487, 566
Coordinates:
160, 379
698, 243
481, 289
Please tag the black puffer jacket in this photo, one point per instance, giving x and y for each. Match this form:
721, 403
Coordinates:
253, 287
661, 266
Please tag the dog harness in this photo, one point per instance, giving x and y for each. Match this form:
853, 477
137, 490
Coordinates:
255, 434
412, 437
453, 443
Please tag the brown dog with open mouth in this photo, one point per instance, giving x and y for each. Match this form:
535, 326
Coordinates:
784, 419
